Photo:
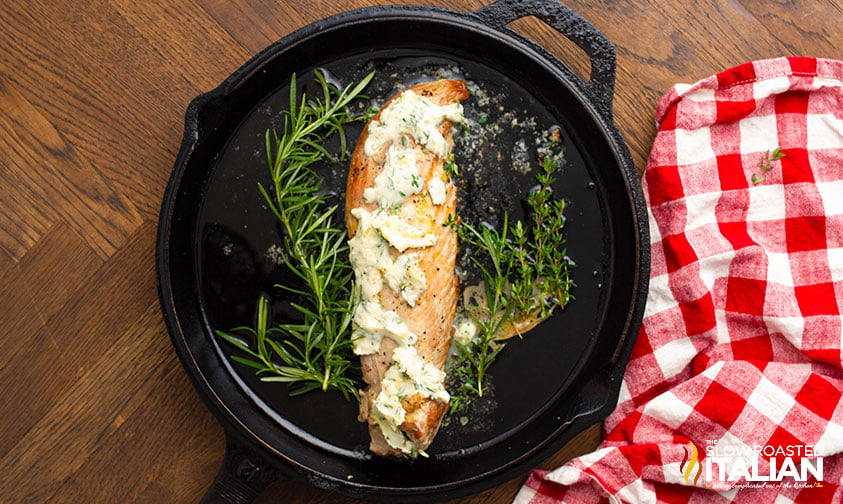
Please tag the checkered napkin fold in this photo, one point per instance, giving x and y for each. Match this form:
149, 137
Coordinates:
733, 390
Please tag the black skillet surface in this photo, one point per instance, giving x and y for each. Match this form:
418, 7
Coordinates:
216, 240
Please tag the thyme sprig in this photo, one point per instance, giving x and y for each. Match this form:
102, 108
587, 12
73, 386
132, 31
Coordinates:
526, 275
766, 164
314, 352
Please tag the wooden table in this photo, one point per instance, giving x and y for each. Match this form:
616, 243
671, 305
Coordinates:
94, 405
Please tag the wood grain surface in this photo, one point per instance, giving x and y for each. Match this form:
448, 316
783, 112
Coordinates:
94, 405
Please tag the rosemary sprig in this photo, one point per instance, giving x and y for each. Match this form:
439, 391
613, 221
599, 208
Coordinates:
315, 352
526, 275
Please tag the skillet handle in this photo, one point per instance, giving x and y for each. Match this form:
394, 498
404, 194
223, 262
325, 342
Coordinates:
242, 476
600, 87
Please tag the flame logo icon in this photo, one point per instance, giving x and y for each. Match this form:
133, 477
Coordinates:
689, 462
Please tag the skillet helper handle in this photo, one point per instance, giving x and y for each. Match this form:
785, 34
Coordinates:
600, 87
242, 476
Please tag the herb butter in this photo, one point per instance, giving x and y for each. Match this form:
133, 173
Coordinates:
408, 375
465, 330
369, 255
415, 115
372, 323
396, 230
406, 276
374, 265
437, 191
400, 178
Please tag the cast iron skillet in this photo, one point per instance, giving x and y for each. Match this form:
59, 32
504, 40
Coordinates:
214, 235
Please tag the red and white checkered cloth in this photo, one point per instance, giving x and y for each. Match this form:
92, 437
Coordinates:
738, 361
